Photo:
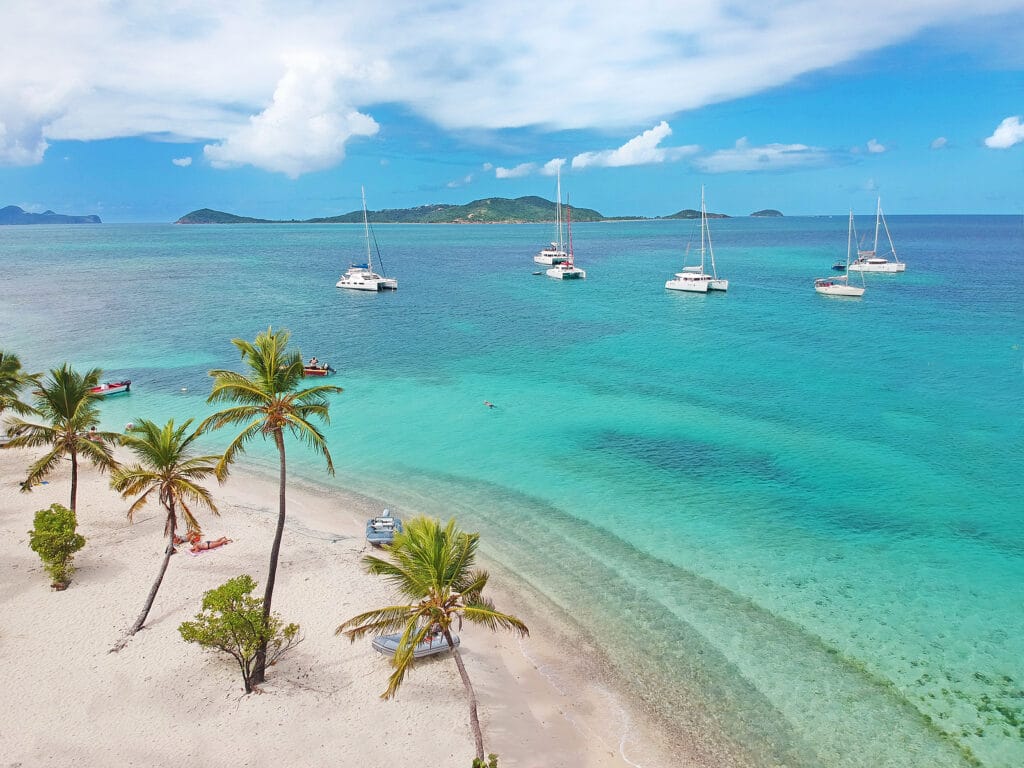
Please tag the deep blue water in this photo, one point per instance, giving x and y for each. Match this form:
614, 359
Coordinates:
804, 513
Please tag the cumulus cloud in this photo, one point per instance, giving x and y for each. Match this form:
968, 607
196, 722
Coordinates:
875, 147
206, 72
523, 169
640, 150
551, 167
182, 162
1008, 133
940, 143
770, 157
304, 129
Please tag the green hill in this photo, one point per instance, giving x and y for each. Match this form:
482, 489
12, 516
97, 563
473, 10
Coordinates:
210, 216
12, 214
491, 210
689, 213
767, 212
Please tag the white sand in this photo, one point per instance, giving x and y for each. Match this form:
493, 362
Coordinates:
66, 701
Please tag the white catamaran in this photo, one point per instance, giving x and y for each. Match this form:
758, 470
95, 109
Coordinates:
840, 286
870, 261
555, 253
694, 279
567, 270
361, 277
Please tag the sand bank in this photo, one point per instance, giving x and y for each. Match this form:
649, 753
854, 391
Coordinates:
163, 702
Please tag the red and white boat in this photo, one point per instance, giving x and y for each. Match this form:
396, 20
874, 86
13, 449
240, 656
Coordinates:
112, 387
319, 370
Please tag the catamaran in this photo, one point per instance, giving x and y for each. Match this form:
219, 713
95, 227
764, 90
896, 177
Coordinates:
361, 277
567, 270
694, 279
870, 261
555, 253
840, 285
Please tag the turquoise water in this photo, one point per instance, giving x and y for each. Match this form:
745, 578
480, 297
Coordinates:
802, 513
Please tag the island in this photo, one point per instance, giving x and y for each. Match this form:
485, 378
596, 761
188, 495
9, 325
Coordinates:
12, 214
689, 213
491, 210
767, 212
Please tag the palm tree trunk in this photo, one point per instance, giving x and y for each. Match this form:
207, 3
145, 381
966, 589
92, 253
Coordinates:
474, 720
152, 596
260, 671
74, 478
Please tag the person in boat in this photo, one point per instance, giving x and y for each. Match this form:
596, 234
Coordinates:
314, 363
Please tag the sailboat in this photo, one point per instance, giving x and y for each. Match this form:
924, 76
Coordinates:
840, 285
361, 277
694, 279
555, 253
567, 270
870, 261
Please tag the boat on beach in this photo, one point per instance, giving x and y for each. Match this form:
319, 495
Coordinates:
112, 388
381, 529
869, 260
361, 277
694, 279
840, 285
432, 644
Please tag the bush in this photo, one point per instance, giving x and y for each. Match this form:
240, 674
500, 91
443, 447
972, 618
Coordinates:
55, 541
232, 621
492, 762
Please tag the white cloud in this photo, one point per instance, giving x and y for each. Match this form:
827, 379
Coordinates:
1009, 132
640, 150
770, 157
304, 129
940, 143
875, 148
550, 168
237, 76
182, 162
523, 169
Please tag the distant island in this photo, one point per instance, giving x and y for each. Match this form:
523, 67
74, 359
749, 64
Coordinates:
689, 213
490, 210
12, 214
767, 212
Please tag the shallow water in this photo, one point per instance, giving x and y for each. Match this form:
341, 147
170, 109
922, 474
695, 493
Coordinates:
802, 513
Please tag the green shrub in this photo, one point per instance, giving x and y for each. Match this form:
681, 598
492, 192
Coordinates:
492, 761
232, 621
55, 541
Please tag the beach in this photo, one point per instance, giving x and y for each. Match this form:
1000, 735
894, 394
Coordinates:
163, 702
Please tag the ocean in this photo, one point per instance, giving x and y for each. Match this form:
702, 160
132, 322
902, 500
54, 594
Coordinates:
801, 515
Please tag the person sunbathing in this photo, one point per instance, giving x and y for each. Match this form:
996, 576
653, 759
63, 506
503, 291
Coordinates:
201, 546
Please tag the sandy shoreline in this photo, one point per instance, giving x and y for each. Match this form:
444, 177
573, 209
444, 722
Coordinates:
161, 701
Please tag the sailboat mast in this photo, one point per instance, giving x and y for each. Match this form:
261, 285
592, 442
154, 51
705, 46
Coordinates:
703, 227
568, 215
878, 216
366, 228
558, 211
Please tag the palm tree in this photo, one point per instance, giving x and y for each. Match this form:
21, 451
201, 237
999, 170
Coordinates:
432, 567
167, 469
267, 403
12, 381
65, 400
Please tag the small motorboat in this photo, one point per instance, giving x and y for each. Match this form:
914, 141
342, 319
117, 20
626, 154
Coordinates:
112, 388
381, 530
432, 643
319, 370
839, 266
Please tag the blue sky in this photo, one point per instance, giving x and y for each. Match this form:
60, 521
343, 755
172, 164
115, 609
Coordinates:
275, 109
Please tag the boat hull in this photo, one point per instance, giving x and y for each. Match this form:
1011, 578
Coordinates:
112, 388
388, 644
837, 289
319, 371
571, 273
718, 285
687, 284
550, 258
890, 267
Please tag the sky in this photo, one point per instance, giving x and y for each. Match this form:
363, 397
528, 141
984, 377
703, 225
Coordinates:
141, 112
